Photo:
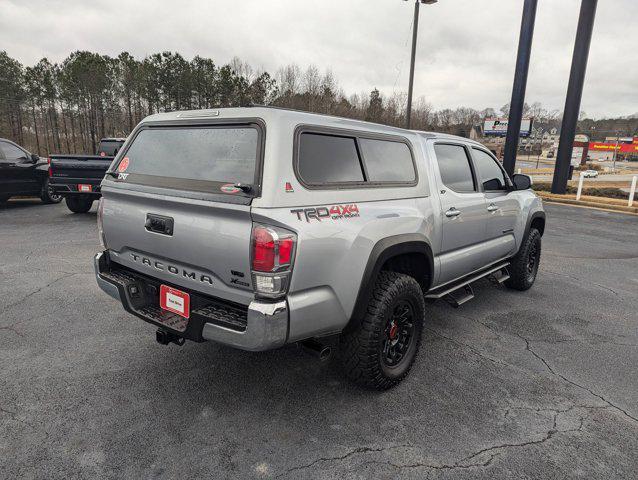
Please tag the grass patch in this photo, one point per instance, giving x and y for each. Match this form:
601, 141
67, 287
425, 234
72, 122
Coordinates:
607, 192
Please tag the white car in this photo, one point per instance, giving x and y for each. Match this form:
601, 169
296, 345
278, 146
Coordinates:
590, 174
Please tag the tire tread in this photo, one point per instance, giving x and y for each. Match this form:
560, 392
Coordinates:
359, 347
518, 265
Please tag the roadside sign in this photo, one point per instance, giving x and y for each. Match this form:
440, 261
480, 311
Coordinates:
498, 127
577, 156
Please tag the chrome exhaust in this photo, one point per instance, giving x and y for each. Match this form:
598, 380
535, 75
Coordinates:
318, 349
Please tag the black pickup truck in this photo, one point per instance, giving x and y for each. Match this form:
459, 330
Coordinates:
77, 177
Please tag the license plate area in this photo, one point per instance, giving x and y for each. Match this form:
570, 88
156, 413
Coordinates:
175, 301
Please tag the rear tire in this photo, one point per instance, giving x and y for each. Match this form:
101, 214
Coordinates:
524, 265
79, 203
379, 352
48, 196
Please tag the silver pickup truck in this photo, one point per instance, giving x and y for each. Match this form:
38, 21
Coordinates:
258, 227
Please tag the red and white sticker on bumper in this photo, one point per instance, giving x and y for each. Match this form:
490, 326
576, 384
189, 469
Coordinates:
85, 188
175, 301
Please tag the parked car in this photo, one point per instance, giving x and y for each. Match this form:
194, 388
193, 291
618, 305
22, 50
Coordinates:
77, 177
324, 227
23, 174
590, 174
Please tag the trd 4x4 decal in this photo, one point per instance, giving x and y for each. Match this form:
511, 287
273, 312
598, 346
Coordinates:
333, 212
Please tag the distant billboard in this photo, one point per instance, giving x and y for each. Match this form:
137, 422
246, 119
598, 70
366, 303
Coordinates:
610, 147
498, 127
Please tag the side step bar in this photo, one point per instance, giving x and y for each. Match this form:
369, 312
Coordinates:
459, 292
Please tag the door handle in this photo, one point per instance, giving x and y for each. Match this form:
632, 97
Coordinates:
159, 224
492, 208
452, 212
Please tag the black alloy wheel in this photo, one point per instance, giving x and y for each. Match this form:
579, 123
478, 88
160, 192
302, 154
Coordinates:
399, 334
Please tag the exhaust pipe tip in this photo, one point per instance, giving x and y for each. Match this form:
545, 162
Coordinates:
325, 354
317, 349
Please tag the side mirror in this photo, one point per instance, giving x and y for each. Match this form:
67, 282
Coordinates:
521, 182
35, 158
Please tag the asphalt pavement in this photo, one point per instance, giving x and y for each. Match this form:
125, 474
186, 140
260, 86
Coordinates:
541, 384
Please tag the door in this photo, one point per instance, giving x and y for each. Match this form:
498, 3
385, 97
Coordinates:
463, 212
501, 203
18, 174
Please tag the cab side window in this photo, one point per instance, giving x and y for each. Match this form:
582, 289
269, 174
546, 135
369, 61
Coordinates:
455, 168
11, 152
490, 174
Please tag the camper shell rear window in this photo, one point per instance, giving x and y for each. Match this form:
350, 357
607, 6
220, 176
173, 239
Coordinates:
203, 158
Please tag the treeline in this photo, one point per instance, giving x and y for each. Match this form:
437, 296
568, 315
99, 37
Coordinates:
68, 107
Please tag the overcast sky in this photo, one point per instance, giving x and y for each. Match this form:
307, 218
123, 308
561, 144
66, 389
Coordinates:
466, 50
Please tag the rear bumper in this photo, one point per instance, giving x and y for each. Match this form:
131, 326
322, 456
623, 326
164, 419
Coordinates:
69, 186
260, 326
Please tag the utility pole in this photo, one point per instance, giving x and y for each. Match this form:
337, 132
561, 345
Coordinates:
415, 31
574, 95
520, 85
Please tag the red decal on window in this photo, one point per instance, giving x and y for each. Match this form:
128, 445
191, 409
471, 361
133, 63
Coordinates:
123, 165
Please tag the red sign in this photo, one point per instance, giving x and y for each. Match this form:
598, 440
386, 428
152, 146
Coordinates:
175, 301
610, 147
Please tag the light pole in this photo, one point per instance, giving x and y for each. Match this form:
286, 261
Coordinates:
613, 168
538, 135
415, 30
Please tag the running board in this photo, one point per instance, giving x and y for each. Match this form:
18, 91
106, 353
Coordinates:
497, 274
456, 300
497, 278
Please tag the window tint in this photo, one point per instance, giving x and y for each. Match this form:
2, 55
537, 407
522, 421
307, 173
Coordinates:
109, 148
454, 166
11, 152
225, 155
387, 161
490, 174
328, 159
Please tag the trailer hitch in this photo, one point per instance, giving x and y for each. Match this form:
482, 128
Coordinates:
164, 337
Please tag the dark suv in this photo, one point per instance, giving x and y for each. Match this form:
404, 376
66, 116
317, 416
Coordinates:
23, 173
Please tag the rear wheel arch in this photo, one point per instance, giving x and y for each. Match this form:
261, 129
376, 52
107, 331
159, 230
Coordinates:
410, 254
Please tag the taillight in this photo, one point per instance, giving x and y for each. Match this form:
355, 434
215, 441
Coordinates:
49, 162
100, 222
272, 257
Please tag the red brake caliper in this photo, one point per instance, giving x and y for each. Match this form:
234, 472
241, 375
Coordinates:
393, 330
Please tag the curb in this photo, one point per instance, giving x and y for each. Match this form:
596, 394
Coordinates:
594, 205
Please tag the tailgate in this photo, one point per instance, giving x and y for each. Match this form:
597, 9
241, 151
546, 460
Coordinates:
205, 247
74, 170
173, 209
